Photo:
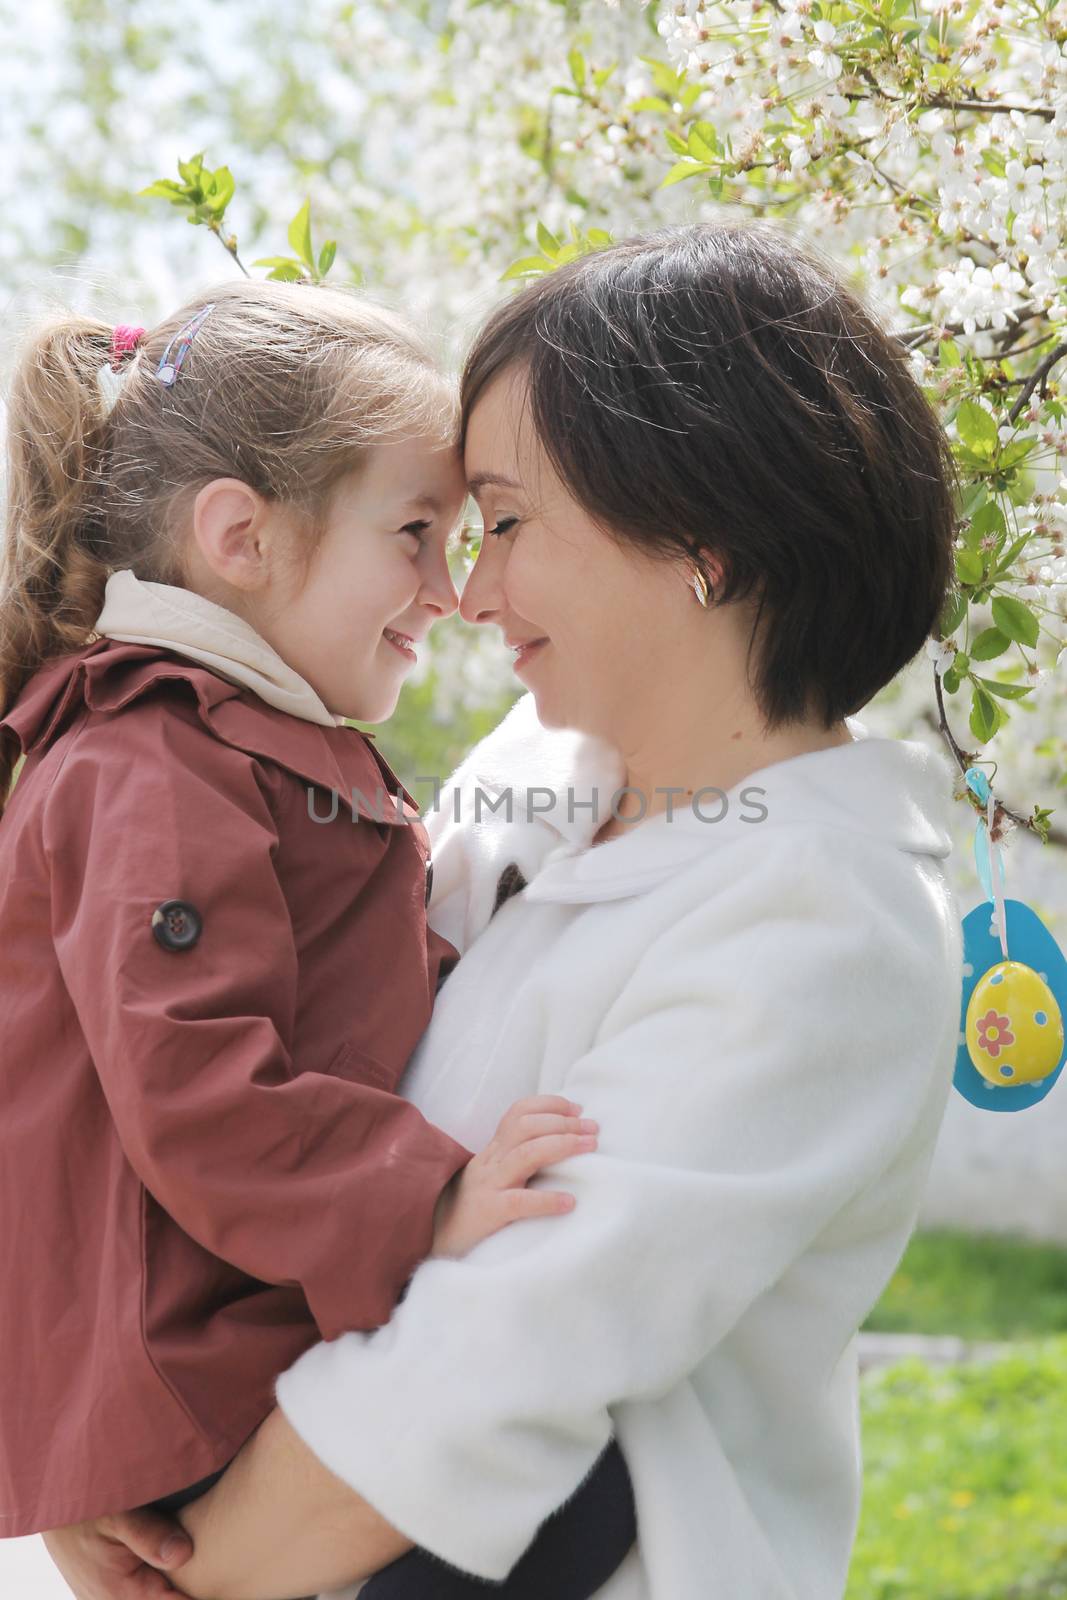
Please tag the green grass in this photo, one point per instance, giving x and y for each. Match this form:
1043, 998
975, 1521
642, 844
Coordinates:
977, 1286
965, 1467
965, 1480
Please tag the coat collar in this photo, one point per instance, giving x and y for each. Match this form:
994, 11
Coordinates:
166, 614
106, 676
894, 792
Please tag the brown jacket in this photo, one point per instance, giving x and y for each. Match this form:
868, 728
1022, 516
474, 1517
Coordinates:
204, 1165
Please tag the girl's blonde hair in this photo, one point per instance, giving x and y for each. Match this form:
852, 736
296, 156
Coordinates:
286, 386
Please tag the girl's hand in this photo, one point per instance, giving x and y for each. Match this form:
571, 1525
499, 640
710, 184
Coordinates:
108, 1558
491, 1190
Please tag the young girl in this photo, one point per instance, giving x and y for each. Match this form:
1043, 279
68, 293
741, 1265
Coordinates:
216, 961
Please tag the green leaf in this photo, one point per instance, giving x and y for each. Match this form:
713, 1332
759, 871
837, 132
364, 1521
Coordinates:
166, 189
667, 81
988, 519
951, 680
1017, 451
287, 272
986, 716
327, 256
300, 235
973, 496
599, 238
969, 566
708, 134
652, 102
548, 241
993, 162
221, 190
600, 78
1040, 820
682, 170
191, 170
1015, 618
977, 427
1020, 486
989, 644
1007, 691
954, 611
276, 261
528, 267
677, 144
948, 354
1007, 559
576, 62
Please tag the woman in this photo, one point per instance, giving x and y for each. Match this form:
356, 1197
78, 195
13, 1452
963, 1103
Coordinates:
718, 520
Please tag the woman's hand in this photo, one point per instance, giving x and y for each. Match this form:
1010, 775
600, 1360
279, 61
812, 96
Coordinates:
114, 1558
490, 1191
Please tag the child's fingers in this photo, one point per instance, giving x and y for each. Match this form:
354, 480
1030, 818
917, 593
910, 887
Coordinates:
148, 1585
521, 1163
160, 1540
522, 1203
540, 1102
533, 1125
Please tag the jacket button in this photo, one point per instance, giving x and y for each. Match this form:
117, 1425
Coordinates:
429, 880
177, 925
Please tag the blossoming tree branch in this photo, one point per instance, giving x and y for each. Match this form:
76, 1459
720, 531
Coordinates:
921, 143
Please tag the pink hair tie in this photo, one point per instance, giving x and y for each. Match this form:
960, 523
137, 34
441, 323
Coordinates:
124, 341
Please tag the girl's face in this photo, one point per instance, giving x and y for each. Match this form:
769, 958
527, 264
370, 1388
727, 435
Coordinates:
600, 613
379, 572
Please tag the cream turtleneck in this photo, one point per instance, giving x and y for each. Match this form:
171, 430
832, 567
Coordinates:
136, 612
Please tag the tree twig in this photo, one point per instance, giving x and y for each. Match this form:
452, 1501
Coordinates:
946, 103
964, 760
228, 244
1038, 376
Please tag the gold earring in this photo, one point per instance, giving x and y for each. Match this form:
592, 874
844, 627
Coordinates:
700, 586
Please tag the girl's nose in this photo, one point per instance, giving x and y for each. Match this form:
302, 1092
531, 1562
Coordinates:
439, 592
482, 598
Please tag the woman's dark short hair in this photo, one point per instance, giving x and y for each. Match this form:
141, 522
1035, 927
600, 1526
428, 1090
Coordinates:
717, 389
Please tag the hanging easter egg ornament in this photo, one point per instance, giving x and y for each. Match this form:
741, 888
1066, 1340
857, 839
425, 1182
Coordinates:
1011, 1046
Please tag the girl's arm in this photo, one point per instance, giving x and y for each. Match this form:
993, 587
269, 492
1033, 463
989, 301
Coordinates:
307, 1173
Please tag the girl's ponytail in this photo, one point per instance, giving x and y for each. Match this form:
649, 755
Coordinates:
54, 568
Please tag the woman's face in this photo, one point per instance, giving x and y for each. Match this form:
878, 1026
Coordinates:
604, 613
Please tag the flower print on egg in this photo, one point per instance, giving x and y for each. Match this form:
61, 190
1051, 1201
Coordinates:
994, 1033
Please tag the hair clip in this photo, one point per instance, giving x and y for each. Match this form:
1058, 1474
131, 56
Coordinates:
124, 341
170, 362
111, 377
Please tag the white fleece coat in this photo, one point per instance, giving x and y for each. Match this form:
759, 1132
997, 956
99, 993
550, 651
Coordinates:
762, 1015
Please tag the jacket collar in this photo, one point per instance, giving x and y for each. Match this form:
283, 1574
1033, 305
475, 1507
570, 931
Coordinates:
139, 612
894, 792
106, 676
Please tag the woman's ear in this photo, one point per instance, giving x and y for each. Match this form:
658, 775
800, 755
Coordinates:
233, 532
711, 567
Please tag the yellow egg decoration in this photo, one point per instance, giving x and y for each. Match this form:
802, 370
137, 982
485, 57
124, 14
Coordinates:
1014, 1026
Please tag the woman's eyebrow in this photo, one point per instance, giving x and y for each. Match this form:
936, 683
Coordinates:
482, 480
424, 502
